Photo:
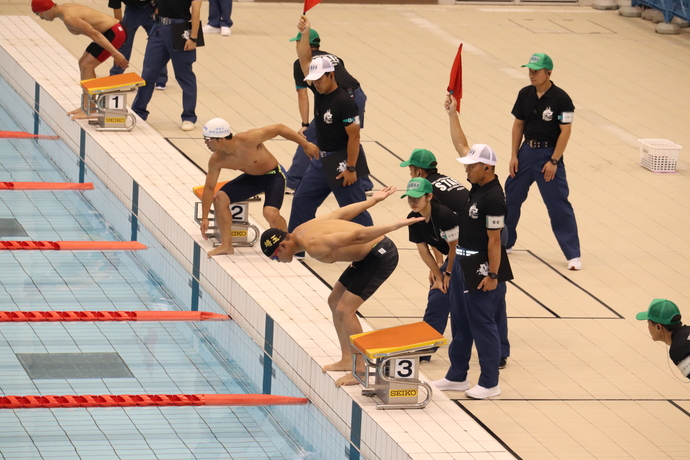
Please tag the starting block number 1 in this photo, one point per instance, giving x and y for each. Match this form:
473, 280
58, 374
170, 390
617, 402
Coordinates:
114, 102
405, 368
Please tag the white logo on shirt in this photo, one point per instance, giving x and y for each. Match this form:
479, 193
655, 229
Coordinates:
474, 211
342, 166
547, 115
382, 251
483, 269
328, 117
567, 117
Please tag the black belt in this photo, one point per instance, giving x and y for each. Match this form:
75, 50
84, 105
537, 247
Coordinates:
540, 144
169, 21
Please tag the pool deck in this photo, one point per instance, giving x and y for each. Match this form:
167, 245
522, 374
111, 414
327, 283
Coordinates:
584, 379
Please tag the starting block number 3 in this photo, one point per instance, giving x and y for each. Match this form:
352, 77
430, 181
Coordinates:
404, 368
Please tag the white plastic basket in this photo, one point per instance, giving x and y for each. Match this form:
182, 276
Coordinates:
659, 155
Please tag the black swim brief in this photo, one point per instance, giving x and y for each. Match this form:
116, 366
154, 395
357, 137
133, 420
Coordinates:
364, 277
245, 186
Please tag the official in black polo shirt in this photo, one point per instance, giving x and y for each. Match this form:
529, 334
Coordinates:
543, 116
337, 130
477, 310
438, 230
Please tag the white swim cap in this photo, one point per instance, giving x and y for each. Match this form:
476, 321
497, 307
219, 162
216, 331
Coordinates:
217, 128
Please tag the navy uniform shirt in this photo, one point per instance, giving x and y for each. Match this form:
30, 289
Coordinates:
543, 115
680, 350
332, 113
486, 210
441, 228
449, 192
342, 76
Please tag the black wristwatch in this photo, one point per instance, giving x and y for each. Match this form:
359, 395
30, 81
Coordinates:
553, 161
351, 168
493, 276
447, 273
192, 39
305, 125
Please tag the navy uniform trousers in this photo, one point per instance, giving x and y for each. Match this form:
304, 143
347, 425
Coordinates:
132, 19
159, 50
314, 189
478, 317
554, 193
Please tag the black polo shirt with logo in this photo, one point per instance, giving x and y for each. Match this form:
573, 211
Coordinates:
680, 349
332, 113
449, 192
441, 228
486, 210
175, 9
543, 115
342, 76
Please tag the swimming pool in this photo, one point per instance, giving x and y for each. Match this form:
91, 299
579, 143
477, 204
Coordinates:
161, 358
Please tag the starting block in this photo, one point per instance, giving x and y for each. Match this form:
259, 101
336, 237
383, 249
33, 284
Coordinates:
105, 101
241, 227
391, 360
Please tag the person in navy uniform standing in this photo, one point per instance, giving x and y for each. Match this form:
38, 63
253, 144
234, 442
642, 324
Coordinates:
160, 50
543, 117
345, 80
477, 312
337, 127
138, 13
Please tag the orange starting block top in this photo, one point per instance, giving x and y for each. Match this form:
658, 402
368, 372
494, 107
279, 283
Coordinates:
409, 337
113, 83
199, 190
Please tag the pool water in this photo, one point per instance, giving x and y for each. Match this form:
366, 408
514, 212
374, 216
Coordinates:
162, 358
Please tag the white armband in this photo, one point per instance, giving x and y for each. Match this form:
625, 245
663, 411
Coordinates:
451, 235
495, 222
684, 366
567, 117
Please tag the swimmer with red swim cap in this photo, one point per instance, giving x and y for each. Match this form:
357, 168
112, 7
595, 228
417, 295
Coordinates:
107, 34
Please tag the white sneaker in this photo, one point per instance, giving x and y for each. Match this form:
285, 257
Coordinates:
225, 31
509, 250
575, 264
160, 87
449, 385
187, 125
479, 392
210, 29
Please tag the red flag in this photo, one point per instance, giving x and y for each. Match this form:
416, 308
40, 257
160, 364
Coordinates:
309, 4
455, 84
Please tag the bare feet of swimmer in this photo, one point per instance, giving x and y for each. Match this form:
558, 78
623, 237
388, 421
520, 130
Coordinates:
337, 366
80, 115
220, 250
348, 379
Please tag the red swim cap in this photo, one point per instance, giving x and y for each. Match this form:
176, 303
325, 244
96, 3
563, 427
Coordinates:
40, 6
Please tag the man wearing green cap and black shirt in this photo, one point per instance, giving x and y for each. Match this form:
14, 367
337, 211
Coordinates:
448, 191
334, 238
300, 161
663, 321
543, 117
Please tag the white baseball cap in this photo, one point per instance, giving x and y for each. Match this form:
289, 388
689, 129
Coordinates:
480, 153
318, 67
217, 128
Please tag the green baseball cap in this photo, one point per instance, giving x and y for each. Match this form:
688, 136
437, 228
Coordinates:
661, 311
314, 38
539, 61
421, 158
418, 187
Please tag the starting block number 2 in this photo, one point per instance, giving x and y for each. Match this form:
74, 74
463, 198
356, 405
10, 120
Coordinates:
404, 368
239, 211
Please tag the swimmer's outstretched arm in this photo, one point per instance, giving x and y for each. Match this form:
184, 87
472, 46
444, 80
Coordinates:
364, 234
351, 211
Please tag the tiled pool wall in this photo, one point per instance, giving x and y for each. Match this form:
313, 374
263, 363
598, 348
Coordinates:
114, 160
